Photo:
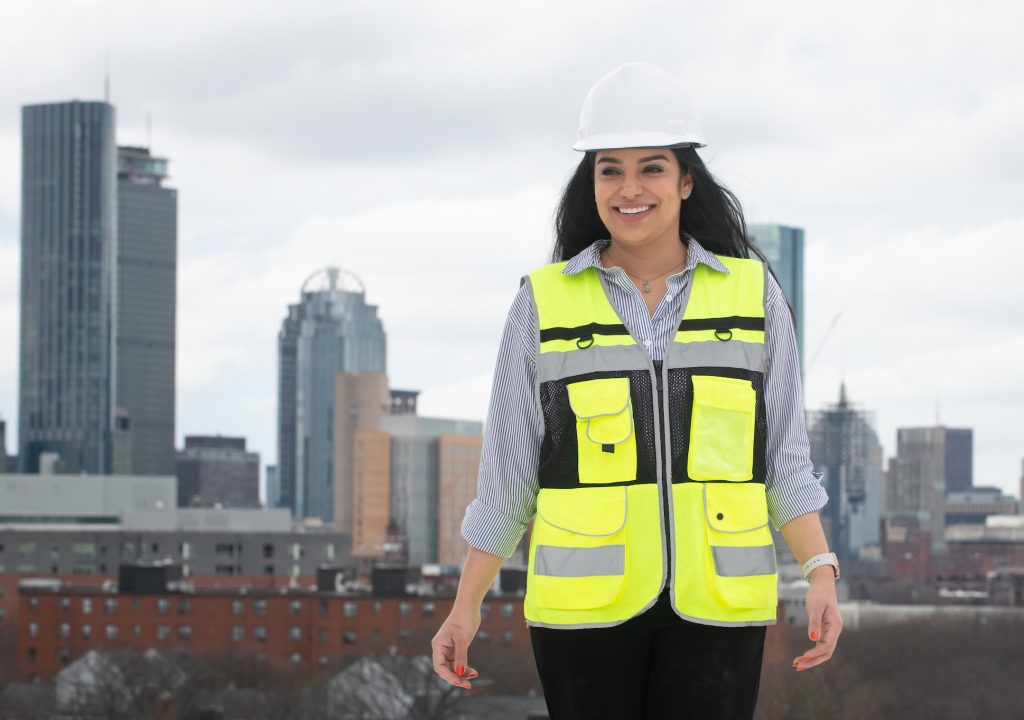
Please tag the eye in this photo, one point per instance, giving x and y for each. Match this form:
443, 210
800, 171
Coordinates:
654, 169
608, 171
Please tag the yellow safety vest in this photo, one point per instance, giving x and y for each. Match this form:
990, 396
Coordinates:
651, 475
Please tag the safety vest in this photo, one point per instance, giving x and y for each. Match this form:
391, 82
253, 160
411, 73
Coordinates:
651, 475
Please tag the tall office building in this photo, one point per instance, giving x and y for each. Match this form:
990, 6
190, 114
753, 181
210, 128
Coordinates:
145, 328
929, 462
68, 285
330, 330
413, 479
783, 246
845, 448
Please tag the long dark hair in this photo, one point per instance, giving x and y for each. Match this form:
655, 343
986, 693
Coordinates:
712, 214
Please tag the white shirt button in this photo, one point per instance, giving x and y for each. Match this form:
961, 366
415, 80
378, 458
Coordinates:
647, 343
668, 297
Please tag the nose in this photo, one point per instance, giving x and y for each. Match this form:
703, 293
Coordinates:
631, 186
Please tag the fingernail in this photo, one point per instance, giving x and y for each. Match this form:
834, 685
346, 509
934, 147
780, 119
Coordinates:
473, 675
814, 636
459, 670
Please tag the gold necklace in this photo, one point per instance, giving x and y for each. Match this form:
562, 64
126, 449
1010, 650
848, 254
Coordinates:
647, 282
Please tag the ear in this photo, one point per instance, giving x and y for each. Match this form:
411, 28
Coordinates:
685, 186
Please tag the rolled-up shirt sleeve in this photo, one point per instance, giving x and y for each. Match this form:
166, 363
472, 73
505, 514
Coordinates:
792, 487
507, 483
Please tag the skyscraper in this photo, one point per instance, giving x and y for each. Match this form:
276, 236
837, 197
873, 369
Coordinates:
145, 329
783, 246
68, 284
330, 330
845, 448
927, 459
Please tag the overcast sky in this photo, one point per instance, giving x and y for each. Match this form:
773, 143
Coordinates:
422, 145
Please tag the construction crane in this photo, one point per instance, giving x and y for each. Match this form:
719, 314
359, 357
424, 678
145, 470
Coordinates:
821, 345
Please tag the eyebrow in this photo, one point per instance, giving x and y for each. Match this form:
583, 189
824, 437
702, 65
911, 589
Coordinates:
616, 161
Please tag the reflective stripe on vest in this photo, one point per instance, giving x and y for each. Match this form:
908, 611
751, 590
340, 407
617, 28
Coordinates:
627, 490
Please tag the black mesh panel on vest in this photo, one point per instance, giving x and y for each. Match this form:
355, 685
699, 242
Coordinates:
559, 465
680, 403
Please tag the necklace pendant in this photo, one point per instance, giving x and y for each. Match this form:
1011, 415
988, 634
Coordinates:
647, 286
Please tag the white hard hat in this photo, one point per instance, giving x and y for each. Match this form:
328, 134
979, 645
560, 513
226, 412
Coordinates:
638, 105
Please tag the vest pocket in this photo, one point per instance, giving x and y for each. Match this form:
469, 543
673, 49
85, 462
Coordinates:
578, 553
742, 555
604, 429
722, 429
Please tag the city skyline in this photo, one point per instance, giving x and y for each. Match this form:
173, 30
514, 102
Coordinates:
398, 160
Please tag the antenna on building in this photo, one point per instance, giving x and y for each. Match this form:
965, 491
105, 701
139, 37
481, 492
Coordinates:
106, 79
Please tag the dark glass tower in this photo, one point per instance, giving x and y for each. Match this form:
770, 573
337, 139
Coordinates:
68, 284
143, 438
784, 248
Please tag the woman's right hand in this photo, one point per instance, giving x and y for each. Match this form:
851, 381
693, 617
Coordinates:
451, 645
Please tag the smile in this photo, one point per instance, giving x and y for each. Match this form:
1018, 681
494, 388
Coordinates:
639, 210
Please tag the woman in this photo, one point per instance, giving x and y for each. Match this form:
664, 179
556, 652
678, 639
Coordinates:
647, 414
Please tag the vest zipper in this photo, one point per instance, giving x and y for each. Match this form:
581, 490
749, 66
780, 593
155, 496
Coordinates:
667, 517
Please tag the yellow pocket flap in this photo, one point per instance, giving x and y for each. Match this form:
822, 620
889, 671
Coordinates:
724, 393
611, 430
735, 507
594, 511
594, 398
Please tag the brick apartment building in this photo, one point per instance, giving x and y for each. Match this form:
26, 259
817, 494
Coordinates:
307, 628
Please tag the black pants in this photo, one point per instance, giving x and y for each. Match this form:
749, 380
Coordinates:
655, 666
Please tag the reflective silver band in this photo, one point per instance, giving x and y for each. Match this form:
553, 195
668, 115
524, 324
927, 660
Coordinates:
744, 561
717, 353
579, 562
596, 358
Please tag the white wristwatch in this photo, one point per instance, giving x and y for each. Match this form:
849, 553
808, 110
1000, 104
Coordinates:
828, 558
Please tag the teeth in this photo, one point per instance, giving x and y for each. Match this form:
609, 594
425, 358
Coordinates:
634, 211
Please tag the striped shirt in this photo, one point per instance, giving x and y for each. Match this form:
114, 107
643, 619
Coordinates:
507, 485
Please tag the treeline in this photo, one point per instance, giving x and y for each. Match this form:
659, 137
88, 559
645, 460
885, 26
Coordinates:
933, 669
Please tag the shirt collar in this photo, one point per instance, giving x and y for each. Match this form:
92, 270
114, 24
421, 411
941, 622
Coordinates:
591, 257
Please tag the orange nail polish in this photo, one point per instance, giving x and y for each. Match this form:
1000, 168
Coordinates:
814, 636
459, 670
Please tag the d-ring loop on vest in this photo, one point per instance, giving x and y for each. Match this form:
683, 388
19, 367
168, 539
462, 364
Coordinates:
589, 340
723, 334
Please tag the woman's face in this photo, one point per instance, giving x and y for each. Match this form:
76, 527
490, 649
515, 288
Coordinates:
638, 191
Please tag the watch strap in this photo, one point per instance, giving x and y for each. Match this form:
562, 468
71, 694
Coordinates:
818, 560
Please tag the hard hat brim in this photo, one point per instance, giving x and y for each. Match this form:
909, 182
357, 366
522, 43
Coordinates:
618, 141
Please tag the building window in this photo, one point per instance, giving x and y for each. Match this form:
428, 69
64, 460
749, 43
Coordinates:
377, 639
137, 630
64, 604
404, 636
294, 633
483, 636
329, 552
351, 609
404, 609
64, 630
163, 632
427, 609
185, 632
260, 632
111, 632
238, 607
377, 607
268, 569
184, 607
237, 633
33, 629
259, 607
128, 550
507, 610
323, 636
323, 661
111, 606
86, 631
268, 551
485, 610
295, 658
87, 606
32, 655
506, 637
349, 637
294, 607
163, 606
33, 603
324, 608
63, 656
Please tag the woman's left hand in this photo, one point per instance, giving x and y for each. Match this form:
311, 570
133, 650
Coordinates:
824, 624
